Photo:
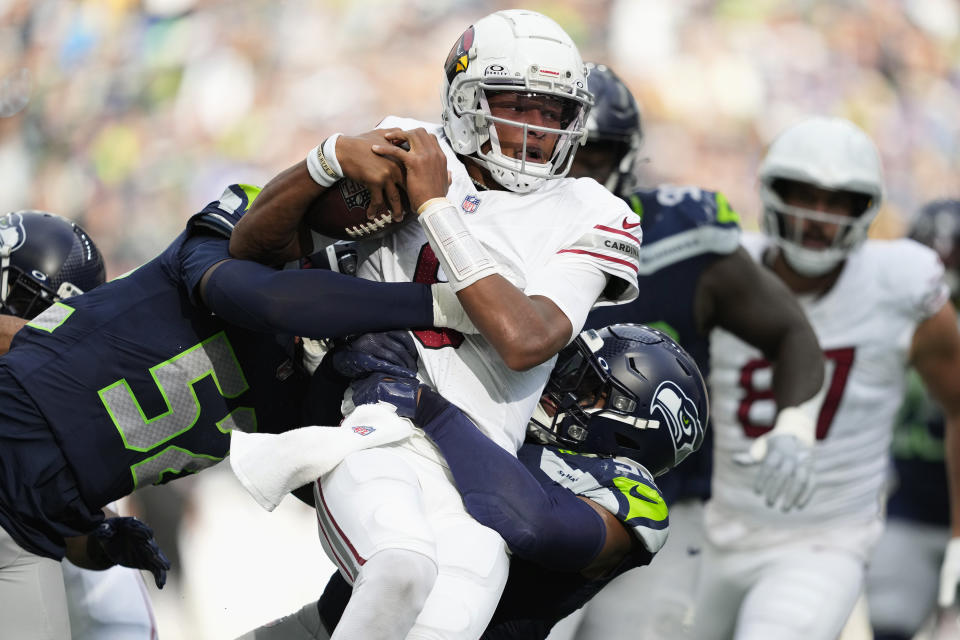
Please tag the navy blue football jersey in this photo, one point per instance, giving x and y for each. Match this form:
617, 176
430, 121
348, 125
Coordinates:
685, 229
139, 383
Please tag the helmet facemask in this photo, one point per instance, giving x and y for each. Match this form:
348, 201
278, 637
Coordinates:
614, 134
526, 167
26, 295
580, 390
43, 259
786, 224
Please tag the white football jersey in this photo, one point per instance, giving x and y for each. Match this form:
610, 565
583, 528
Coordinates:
565, 225
865, 325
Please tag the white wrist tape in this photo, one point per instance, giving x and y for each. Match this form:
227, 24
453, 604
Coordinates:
447, 310
463, 258
322, 162
796, 422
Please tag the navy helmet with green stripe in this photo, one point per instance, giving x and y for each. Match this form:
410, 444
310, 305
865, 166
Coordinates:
44, 258
629, 391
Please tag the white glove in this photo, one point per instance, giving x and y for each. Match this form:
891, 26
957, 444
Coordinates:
785, 459
950, 573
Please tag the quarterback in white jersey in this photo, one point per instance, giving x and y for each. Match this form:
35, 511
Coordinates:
527, 253
559, 242
877, 307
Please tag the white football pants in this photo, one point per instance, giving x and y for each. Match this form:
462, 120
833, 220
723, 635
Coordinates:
799, 591
394, 498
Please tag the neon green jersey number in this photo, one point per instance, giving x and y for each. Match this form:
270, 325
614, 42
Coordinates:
175, 379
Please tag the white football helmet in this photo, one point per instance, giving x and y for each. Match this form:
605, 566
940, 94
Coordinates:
829, 153
524, 52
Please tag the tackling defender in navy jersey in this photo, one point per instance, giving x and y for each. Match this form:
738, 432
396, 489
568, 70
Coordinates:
141, 381
45, 259
628, 394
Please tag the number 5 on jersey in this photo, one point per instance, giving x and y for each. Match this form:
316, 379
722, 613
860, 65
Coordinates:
175, 379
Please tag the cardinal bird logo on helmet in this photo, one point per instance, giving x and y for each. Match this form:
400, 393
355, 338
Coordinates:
457, 59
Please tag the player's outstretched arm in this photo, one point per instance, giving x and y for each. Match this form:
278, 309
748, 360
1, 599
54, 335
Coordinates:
740, 296
272, 231
261, 298
935, 353
746, 299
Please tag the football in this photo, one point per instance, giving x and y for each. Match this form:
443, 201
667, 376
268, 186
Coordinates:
340, 212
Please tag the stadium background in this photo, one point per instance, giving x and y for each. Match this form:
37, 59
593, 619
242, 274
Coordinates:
129, 115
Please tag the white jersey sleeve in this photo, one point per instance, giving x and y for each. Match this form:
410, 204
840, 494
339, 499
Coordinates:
915, 278
612, 243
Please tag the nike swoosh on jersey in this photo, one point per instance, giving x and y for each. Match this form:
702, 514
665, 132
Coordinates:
630, 225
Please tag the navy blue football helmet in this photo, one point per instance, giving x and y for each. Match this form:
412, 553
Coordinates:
44, 258
614, 133
938, 226
626, 391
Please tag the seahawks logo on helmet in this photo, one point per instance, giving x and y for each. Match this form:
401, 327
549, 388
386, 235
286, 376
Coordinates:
680, 414
12, 233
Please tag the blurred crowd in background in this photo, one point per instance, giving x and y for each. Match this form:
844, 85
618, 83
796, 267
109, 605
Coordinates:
129, 115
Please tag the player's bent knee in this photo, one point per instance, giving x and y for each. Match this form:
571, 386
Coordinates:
479, 554
404, 578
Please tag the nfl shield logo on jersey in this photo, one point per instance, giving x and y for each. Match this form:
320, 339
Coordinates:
470, 203
363, 431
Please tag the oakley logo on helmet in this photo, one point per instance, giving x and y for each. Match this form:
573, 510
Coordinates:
12, 233
680, 414
496, 71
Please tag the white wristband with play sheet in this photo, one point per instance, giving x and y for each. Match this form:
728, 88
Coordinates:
463, 258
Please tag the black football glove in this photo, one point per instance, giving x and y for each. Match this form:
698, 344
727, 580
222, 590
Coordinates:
130, 543
391, 352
